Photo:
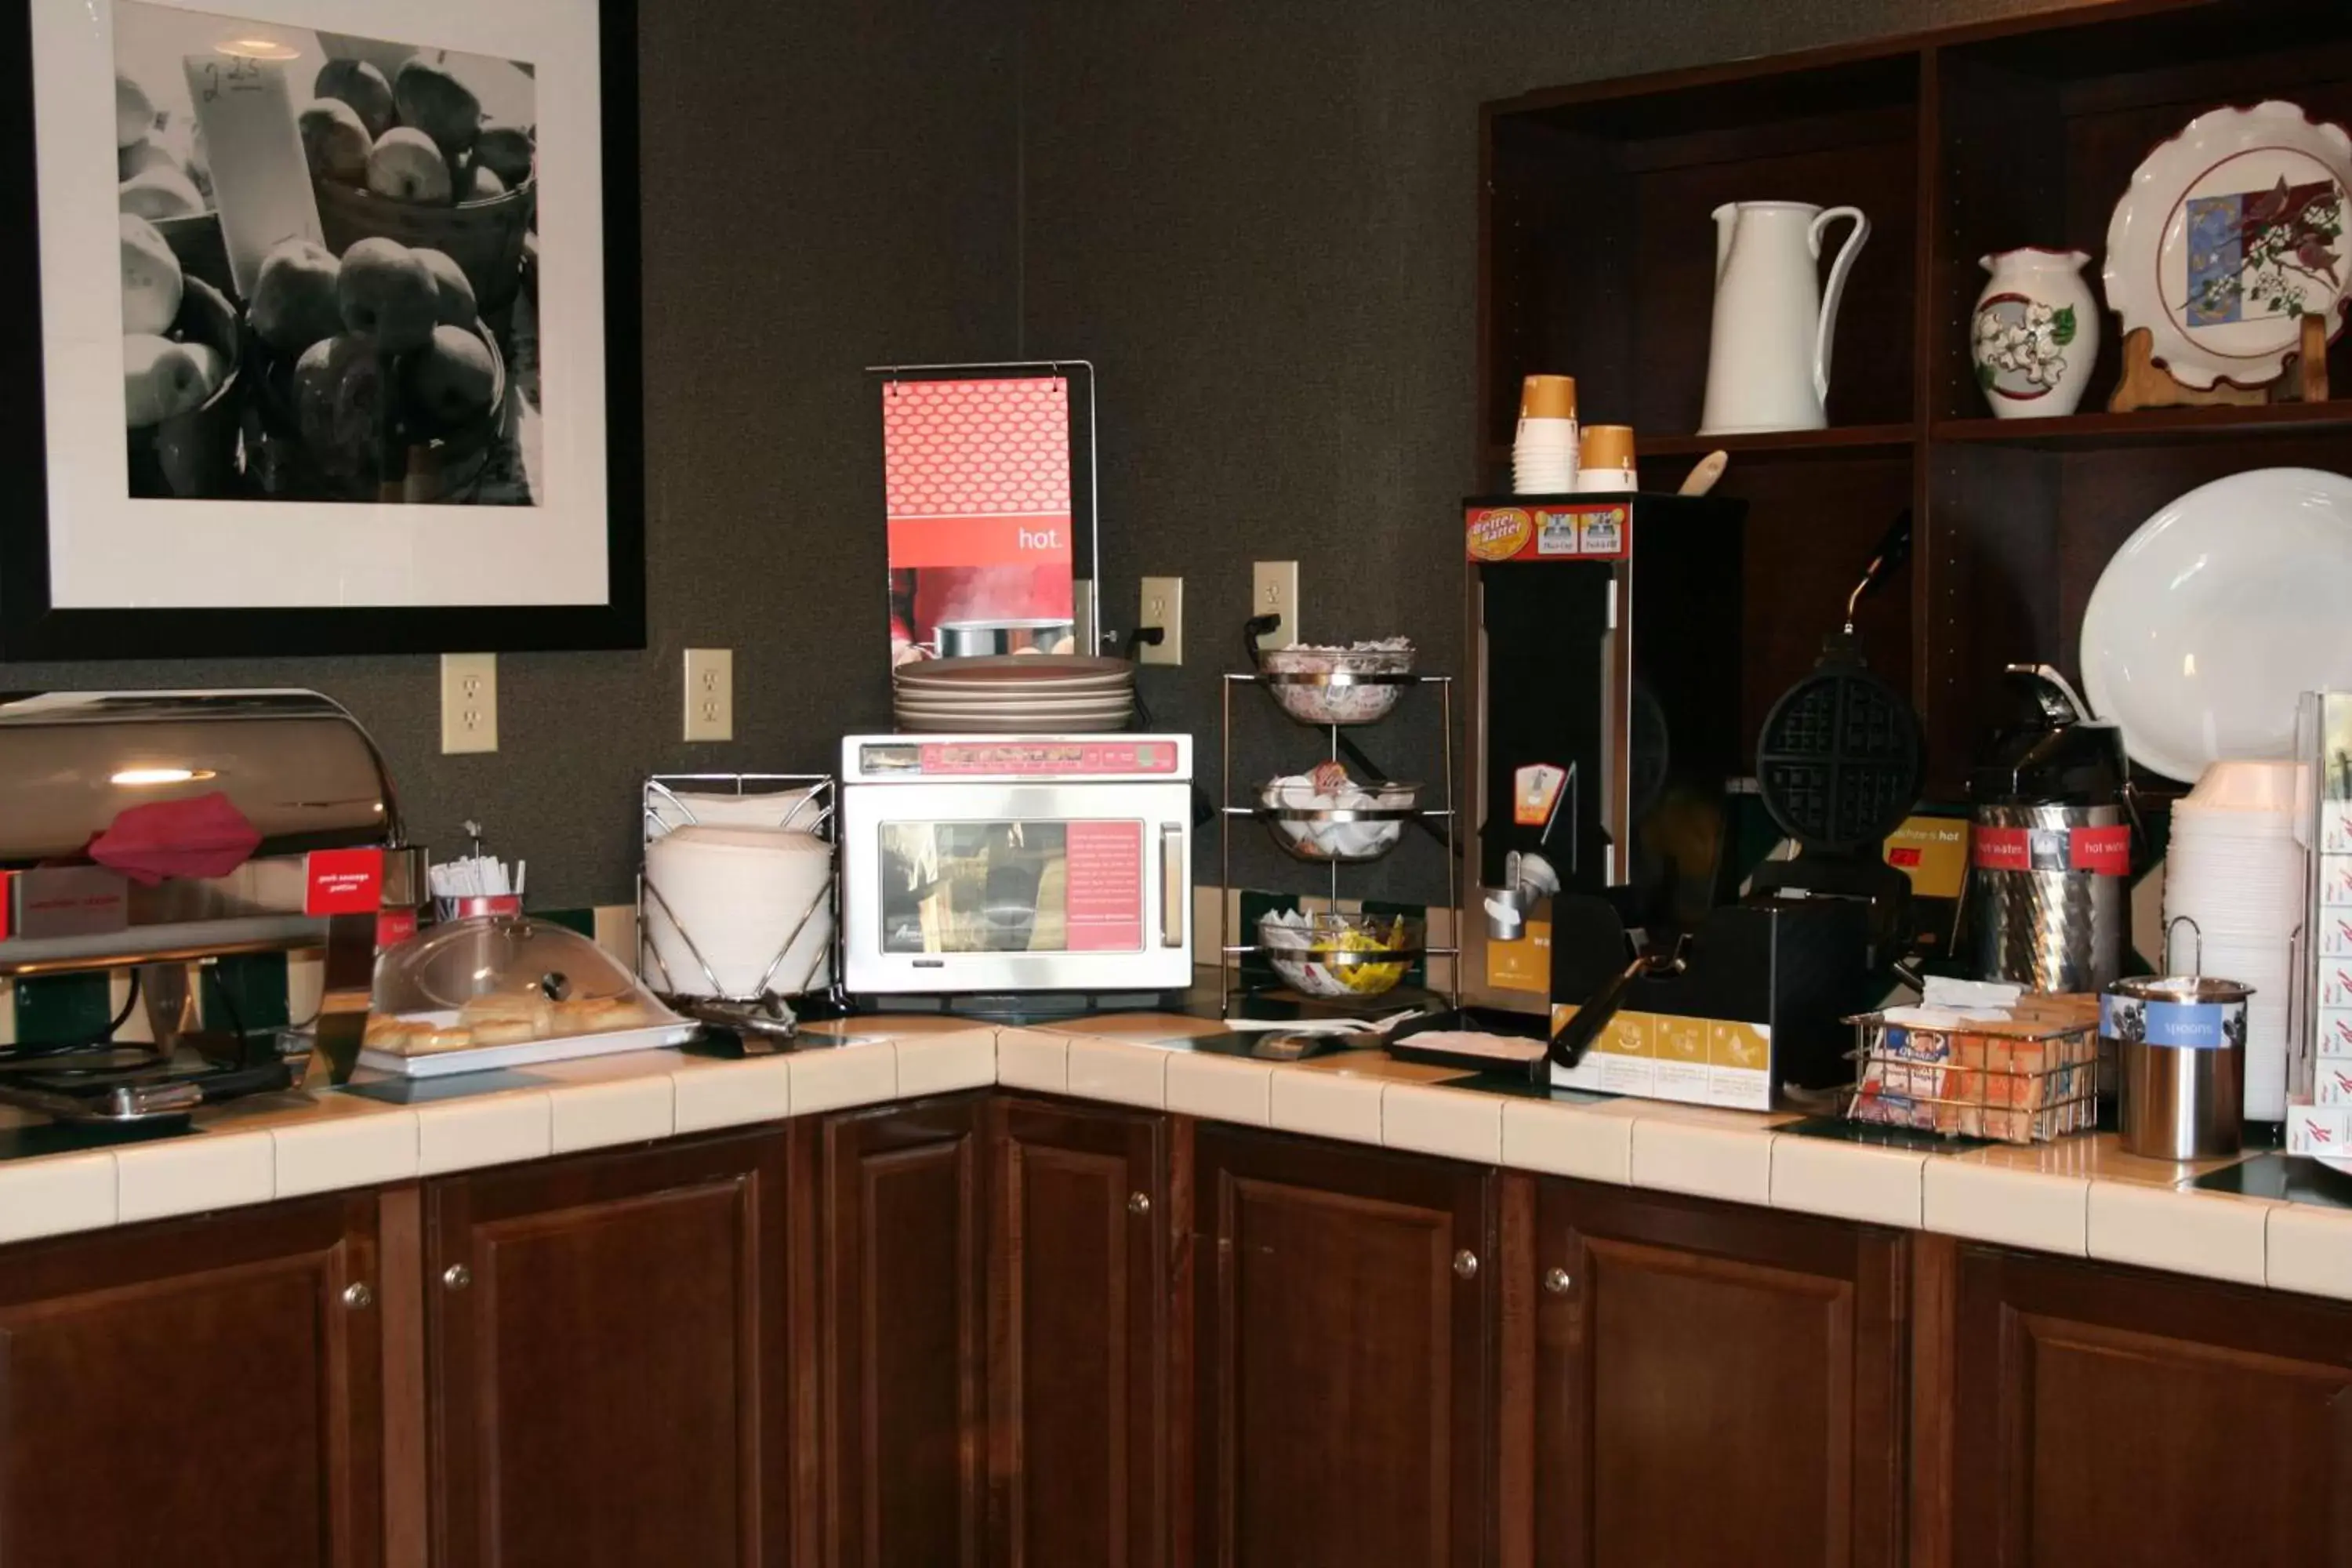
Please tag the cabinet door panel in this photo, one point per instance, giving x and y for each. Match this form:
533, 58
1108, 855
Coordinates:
1703, 1351
1077, 1335
196, 1391
608, 1384
2115, 1415
899, 1253
1345, 1366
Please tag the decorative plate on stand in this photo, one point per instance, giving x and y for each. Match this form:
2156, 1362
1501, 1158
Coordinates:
2230, 235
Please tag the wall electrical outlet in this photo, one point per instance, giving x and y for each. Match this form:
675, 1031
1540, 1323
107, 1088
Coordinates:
709, 694
1274, 591
469, 703
1163, 606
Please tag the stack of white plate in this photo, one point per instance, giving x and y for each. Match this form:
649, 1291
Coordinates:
2236, 869
732, 899
1014, 694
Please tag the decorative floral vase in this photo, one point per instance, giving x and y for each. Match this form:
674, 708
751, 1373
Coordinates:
2035, 334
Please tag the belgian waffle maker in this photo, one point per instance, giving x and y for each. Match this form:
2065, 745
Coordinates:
1750, 1000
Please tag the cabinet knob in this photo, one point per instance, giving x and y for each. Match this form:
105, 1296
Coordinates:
1138, 1203
1559, 1282
457, 1277
358, 1295
1465, 1265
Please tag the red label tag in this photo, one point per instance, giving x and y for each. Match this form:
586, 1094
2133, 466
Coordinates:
343, 882
1903, 856
2104, 850
394, 927
2002, 849
6, 893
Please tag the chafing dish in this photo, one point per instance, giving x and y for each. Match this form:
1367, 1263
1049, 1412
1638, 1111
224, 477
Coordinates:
104, 792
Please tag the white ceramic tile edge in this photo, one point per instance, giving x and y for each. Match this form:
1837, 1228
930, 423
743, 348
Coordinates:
1427, 1119
214, 1171
1120, 1072
1197, 1083
1858, 1182
1327, 1105
1030, 1059
2284, 1247
370, 1150
2011, 1207
530, 1111
2309, 1249
63, 1195
1589, 1148
1703, 1162
620, 1111
945, 1064
2216, 1235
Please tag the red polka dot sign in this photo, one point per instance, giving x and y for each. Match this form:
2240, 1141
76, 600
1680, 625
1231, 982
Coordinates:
977, 473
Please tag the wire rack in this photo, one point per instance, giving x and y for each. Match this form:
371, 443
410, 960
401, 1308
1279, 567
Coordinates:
1232, 954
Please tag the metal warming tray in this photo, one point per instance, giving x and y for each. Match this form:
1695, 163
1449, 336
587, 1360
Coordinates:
292, 771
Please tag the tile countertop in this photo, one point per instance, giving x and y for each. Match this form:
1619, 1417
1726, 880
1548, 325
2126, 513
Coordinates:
2083, 1198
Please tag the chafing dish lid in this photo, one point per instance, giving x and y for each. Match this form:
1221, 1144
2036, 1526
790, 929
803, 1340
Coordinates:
297, 765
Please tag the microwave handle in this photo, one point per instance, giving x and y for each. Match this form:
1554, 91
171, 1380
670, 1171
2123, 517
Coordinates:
1172, 890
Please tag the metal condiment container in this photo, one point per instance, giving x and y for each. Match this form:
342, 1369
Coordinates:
2051, 853
2181, 1041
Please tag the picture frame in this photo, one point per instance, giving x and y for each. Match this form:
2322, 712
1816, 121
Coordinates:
292, 501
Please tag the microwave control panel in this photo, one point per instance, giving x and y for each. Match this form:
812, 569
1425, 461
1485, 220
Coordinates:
906, 759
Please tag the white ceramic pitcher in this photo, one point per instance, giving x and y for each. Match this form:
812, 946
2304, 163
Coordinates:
1767, 364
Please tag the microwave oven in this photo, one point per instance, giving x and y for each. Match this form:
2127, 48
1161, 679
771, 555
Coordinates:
1016, 875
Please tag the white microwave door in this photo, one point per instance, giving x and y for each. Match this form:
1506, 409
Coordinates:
960, 886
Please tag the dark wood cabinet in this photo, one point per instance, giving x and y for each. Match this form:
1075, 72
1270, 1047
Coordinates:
890, 1208
1345, 1321
201, 1392
2108, 1415
605, 1339
1078, 1336
1078, 1306
1714, 1383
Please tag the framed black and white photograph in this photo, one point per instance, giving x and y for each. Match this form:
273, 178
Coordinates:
337, 328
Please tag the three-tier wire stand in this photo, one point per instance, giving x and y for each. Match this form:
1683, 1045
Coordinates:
1233, 955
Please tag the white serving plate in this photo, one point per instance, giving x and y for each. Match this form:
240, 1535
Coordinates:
1038, 701
2217, 614
488, 1058
2193, 257
1018, 672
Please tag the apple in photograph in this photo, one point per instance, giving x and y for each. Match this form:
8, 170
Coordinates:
363, 87
408, 168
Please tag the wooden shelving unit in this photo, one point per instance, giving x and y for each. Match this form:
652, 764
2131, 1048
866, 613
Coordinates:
1598, 261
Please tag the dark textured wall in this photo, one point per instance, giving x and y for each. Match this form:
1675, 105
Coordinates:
1260, 221
827, 185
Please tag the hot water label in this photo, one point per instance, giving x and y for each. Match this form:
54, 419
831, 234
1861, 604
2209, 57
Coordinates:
2099, 851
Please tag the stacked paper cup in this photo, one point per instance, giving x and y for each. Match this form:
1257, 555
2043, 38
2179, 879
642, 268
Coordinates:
1543, 456
2236, 869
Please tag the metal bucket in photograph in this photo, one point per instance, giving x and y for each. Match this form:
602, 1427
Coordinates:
979, 639
2181, 1041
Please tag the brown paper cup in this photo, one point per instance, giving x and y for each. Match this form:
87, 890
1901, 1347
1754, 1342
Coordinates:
1548, 397
1607, 447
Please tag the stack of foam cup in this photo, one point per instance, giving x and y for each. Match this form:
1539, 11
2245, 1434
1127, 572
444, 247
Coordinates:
1543, 454
2235, 868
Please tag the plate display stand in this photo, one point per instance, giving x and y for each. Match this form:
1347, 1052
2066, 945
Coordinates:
1233, 952
2147, 385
